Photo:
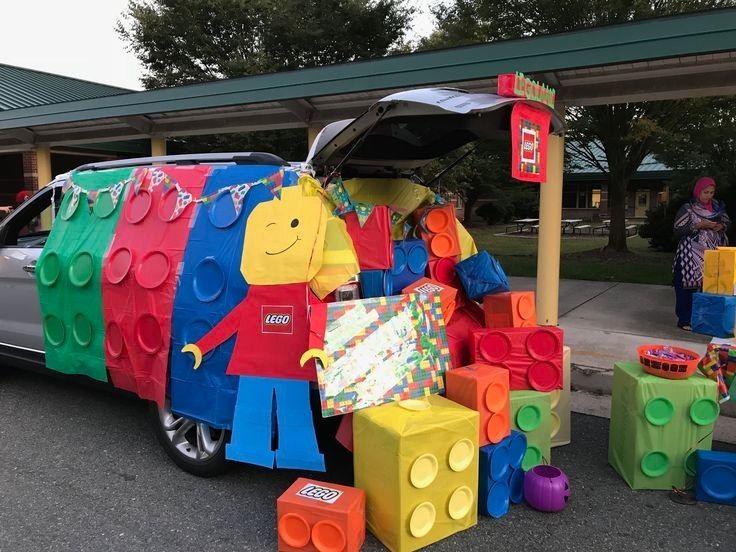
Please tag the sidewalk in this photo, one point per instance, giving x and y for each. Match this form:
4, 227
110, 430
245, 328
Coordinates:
606, 321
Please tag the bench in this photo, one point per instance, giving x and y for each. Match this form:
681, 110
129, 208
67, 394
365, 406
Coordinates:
534, 228
579, 229
633, 227
602, 228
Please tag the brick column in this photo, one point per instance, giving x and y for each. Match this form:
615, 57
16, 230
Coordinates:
30, 170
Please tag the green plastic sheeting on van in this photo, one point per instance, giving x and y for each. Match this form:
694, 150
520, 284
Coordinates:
657, 425
68, 274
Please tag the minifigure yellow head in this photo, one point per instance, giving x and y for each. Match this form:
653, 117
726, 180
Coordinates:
284, 238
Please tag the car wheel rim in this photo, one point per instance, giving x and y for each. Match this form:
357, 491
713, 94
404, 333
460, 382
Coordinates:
194, 440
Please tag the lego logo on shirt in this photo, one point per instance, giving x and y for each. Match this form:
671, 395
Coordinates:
316, 492
277, 319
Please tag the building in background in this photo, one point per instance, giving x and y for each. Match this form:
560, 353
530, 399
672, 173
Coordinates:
22, 88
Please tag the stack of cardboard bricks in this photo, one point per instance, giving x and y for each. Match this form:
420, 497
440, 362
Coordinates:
714, 309
425, 468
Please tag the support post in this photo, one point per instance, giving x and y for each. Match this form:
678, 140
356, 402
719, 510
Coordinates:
43, 170
158, 146
550, 217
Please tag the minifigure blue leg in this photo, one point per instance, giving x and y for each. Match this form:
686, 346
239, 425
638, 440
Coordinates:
252, 423
297, 447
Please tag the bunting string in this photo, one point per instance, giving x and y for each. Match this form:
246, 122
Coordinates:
158, 177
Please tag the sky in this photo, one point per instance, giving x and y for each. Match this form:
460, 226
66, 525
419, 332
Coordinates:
77, 38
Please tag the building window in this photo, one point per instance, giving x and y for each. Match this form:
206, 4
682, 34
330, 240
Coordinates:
578, 195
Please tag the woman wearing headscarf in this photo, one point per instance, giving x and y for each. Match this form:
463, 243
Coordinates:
699, 225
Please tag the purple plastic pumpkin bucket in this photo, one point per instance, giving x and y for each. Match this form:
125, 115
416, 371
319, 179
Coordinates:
546, 488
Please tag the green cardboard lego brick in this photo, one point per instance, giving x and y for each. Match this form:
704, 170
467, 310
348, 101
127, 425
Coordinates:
69, 275
657, 424
531, 413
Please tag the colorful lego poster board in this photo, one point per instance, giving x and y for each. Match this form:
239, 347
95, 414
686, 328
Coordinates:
529, 135
378, 350
210, 286
69, 272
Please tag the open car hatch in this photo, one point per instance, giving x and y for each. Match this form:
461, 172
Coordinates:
406, 130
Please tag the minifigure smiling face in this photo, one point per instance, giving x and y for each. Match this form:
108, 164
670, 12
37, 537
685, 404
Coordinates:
284, 239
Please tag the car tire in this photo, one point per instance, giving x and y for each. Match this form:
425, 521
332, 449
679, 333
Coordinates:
195, 447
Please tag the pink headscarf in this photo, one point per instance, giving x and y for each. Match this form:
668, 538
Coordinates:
701, 184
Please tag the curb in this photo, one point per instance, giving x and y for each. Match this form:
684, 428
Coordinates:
599, 381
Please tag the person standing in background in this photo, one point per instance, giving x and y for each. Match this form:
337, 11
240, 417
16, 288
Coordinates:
700, 224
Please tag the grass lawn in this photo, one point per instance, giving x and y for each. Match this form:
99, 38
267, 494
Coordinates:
581, 259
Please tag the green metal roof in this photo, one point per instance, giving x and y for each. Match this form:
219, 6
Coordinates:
661, 38
21, 88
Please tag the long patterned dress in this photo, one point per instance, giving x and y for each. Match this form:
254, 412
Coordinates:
690, 254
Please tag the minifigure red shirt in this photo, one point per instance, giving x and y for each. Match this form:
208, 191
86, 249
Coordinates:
272, 333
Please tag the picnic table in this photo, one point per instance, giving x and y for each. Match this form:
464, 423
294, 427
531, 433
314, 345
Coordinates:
570, 223
522, 224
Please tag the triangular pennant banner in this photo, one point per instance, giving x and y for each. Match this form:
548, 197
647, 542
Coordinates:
363, 210
274, 183
339, 196
237, 193
183, 198
74, 201
157, 177
116, 191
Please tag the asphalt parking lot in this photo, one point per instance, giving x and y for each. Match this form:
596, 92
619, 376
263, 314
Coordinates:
80, 470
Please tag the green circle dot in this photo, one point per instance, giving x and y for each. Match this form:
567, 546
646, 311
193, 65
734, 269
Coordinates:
528, 417
655, 463
704, 411
532, 457
50, 269
659, 411
81, 269
691, 462
53, 329
82, 330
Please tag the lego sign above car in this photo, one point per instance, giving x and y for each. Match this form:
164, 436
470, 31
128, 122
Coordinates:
517, 85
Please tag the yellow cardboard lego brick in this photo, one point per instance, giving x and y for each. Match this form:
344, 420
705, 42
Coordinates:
417, 462
710, 271
726, 270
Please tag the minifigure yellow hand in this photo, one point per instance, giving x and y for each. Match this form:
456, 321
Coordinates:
192, 348
319, 354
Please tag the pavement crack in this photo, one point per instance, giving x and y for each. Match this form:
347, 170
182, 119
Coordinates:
589, 300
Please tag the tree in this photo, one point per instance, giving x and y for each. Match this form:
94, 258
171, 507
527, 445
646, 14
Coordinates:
191, 41
627, 132
705, 144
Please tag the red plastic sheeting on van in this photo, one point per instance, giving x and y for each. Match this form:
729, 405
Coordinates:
140, 274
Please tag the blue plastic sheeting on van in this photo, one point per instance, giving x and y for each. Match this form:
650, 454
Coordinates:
210, 285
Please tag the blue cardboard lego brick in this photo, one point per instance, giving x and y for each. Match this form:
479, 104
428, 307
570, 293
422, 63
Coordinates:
713, 315
715, 479
410, 263
375, 283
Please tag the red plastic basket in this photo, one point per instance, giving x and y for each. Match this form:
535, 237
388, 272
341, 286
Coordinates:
665, 368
